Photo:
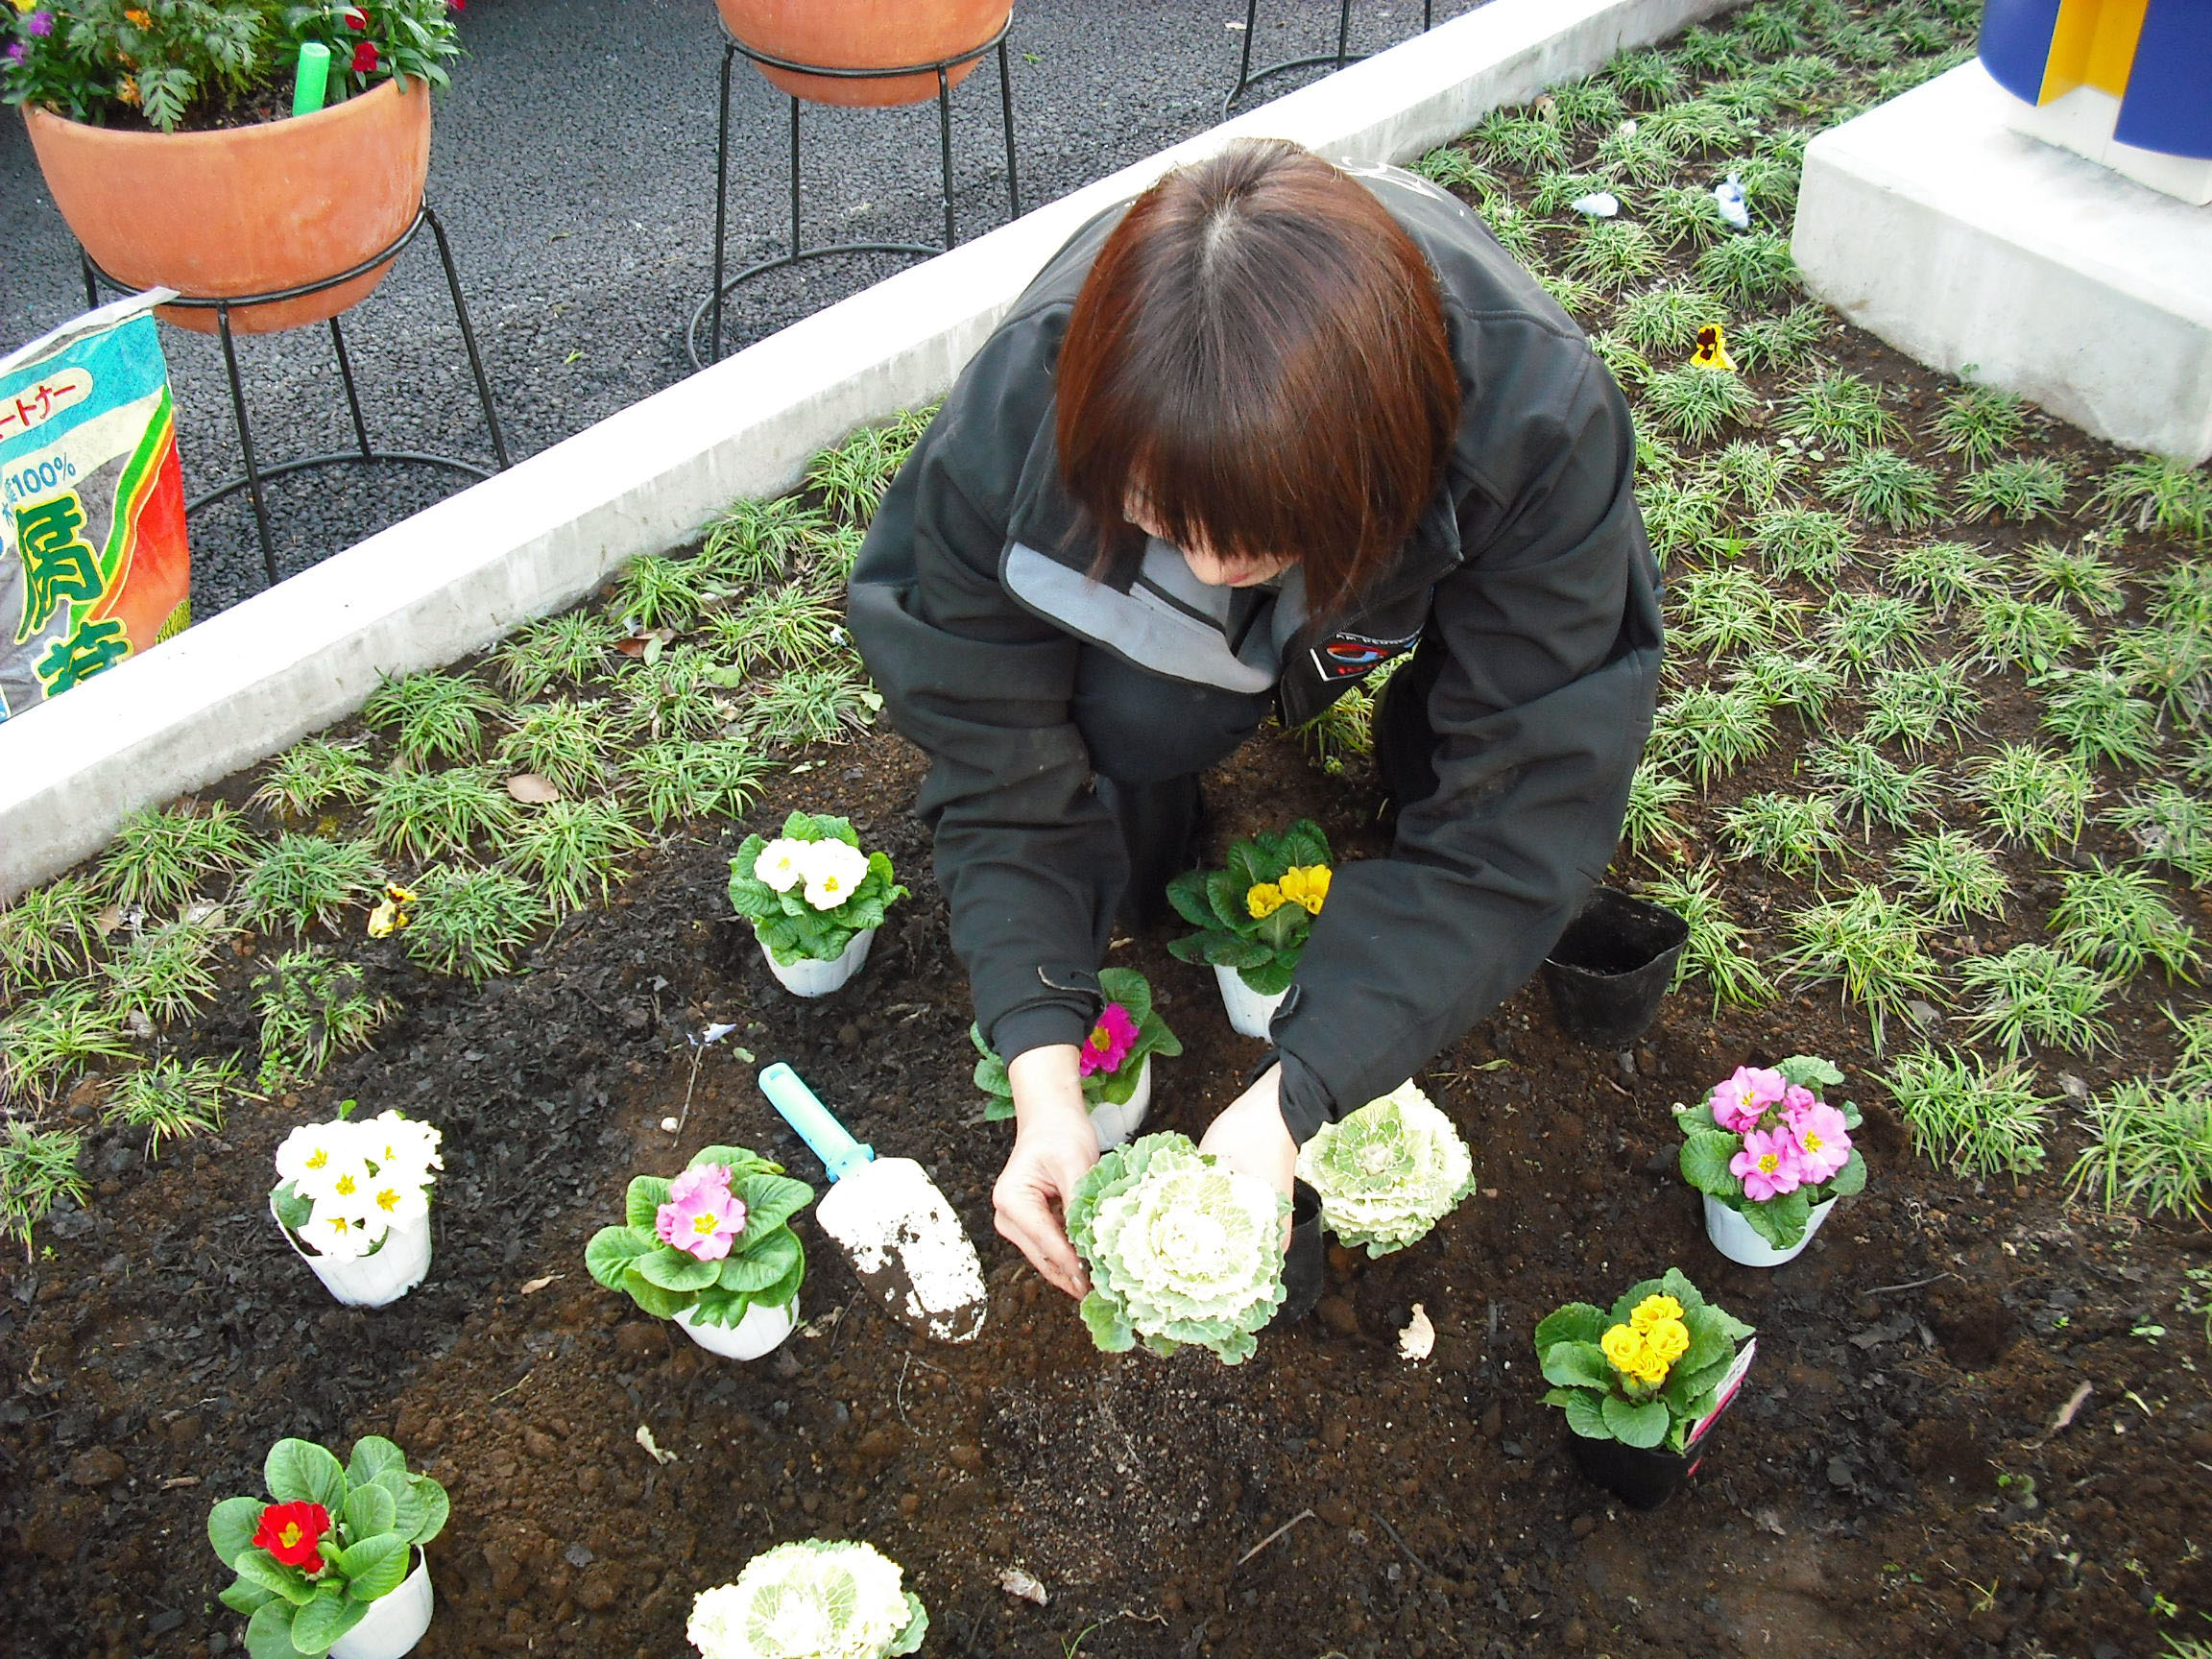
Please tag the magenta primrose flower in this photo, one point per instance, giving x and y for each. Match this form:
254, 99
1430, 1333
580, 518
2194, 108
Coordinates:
1738, 1103
1109, 1043
1819, 1133
1767, 1165
701, 1216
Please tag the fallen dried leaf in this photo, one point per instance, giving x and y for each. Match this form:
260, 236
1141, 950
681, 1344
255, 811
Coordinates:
652, 1450
1418, 1340
531, 1286
532, 788
1017, 1582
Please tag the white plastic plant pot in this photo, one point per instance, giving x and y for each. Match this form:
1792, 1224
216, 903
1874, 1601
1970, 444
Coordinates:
1735, 1239
1113, 1125
1249, 1012
759, 1332
375, 1279
395, 1623
811, 978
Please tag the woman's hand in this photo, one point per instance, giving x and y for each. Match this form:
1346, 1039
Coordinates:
1250, 1136
1054, 1147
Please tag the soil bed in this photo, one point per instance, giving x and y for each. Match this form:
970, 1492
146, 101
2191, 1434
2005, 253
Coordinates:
1979, 1422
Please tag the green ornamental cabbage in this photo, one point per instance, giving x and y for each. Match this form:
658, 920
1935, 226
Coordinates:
1181, 1248
1387, 1172
810, 1599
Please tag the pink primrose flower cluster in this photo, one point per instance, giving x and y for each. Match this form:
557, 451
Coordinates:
1109, 1043
702, 1216
1792, 1138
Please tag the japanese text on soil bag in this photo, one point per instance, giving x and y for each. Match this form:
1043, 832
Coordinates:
93, 561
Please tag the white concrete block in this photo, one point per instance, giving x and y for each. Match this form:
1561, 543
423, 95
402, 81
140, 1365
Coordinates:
1934, 224
449, 581
2084, 121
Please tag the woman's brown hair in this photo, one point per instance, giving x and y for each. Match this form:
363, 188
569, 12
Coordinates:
1259, 354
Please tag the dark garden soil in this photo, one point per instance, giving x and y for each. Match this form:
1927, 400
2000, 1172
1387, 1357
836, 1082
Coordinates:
1979, 1422
1891, 1480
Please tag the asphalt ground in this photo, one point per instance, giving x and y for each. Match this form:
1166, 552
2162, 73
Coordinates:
573, 165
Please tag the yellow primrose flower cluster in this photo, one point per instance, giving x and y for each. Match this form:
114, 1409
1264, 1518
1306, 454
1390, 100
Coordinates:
1305, 885
1645, 1348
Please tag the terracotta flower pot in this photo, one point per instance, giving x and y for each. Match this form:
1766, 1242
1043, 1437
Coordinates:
863, 34
248, 209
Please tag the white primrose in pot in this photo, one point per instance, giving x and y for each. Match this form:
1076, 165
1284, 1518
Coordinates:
1387, 1172
1771, 1158
711, 1249
1115, 1061
813, 1599
815, 899
353, 1199
1181, 1247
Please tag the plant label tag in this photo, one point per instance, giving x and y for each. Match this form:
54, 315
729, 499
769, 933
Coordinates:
1725, 1393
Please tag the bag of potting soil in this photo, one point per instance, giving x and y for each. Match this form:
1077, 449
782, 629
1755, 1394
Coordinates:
93, 561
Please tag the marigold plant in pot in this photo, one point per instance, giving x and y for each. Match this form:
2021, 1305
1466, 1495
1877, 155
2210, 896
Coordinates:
815, 899
1771, 1158
863, 34
332, 1561
1181, 1247
711, 1249
811, 1598
1253, 916
353, 1199
1388, 1172
1115, 1063
1642, 1385
164, 131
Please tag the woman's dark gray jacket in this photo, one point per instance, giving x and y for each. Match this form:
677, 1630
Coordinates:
1528, 572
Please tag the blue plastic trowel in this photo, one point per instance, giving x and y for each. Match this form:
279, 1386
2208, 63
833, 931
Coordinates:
903, 1239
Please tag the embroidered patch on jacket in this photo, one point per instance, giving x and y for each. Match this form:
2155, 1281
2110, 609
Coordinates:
1348, 656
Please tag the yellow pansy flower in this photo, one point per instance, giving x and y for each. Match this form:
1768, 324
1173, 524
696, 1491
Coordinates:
1264, 899
1652, 1310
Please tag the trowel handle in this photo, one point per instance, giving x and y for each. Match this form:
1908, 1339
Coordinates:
839, 1152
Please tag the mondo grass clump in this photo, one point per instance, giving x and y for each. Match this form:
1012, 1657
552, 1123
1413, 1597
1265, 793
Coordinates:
473, 924
313, 1007
172, 1100
38, 1168
1969, 1116
1868, 943
2033, 996
1718, 950
431, 718
2121, 920
165, 856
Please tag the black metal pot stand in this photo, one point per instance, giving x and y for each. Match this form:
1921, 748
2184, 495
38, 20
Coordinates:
1248, 76
709, 309
256, 475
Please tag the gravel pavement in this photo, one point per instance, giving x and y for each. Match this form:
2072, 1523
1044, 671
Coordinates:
573, 167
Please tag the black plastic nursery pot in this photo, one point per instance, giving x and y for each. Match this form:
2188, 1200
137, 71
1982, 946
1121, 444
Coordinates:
1610, 970
1642, 1477
1302, 1270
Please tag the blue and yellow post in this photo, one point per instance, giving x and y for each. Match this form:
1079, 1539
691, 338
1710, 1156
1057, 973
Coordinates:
2154, 55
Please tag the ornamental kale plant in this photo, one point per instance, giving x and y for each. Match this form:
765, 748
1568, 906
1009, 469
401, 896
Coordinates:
1767, 1145
811, 889
343, 1186
335, 1539
716, 1239
1130, 1030
1181, 1248
1646, 1374
1387, 1172
811, 1598
1254, 914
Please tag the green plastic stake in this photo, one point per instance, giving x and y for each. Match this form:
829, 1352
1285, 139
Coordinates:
311, 84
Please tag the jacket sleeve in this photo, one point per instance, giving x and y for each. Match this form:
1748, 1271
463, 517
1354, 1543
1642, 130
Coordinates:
1028, 859
1547, 635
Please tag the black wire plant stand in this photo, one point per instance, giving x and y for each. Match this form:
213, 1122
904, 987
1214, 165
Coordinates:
709, 310
256, 476
1248, 76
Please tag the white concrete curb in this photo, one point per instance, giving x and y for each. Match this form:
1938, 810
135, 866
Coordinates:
1931, 222
242, 685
